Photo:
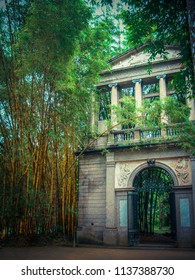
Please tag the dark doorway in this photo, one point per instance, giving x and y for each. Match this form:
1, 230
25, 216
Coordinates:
154, 211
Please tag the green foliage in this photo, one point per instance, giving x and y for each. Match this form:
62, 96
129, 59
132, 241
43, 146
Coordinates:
100, 2
181, 86
103, 100
162, 22
157, 24
176, 111
51, 53
153, 186
125, 112
187, 136
51, 32
148, 116
112, 23
151, 116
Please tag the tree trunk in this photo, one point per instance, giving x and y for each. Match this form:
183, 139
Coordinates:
191, 22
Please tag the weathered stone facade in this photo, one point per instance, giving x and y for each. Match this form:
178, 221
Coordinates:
107, 172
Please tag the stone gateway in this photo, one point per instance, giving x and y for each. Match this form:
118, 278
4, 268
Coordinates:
137, 186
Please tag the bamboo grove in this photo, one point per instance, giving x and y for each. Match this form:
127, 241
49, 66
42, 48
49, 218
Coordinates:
46, 78
154, 190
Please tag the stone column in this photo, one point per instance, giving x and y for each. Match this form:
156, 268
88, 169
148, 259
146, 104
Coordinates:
138, 102
162, 86
114, 101
193, 198
138, 92
110, 232
191, 104
163, 94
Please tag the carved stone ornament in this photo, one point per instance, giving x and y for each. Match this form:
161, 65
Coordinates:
182, 170
123, 176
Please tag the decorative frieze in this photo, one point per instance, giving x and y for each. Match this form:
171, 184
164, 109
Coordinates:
122, 174
183, 171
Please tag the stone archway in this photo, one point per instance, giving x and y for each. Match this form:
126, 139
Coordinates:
154, 205
146, 165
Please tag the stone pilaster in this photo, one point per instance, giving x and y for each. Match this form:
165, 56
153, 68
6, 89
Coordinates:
193, 198
110, 232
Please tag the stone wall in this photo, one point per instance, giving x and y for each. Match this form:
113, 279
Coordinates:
104, 181
92, 198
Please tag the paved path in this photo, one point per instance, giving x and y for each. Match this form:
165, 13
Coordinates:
95, 253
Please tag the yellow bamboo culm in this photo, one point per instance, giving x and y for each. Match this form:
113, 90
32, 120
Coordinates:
64, 167
39, 172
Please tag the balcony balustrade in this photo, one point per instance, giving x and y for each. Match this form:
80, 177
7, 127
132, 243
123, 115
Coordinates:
141, 135
124, 135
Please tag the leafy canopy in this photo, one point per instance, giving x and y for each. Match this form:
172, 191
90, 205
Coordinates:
51, 53
157, 24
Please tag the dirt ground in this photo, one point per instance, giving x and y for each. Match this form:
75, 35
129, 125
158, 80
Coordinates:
95, 253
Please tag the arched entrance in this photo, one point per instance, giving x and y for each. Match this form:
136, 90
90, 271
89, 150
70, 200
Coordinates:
153, 207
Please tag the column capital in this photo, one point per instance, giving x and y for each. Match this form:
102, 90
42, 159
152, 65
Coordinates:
112, 85
161, 76
110, 157
136, 81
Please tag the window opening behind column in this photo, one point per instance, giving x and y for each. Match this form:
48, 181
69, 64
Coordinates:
177, 87
104, 100
149, 88
127, 91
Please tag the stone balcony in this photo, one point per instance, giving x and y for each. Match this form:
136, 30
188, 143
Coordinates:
138, 136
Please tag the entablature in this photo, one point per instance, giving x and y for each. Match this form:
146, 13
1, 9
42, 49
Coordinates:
128, 74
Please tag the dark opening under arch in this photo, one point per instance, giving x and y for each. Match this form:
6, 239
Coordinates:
155, 204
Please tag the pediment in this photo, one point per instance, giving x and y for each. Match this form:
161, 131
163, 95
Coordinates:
140, 57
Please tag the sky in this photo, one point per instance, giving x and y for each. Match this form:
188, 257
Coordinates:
115, 3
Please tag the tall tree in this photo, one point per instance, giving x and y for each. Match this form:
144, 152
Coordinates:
159, 24
191, 21
50, 56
